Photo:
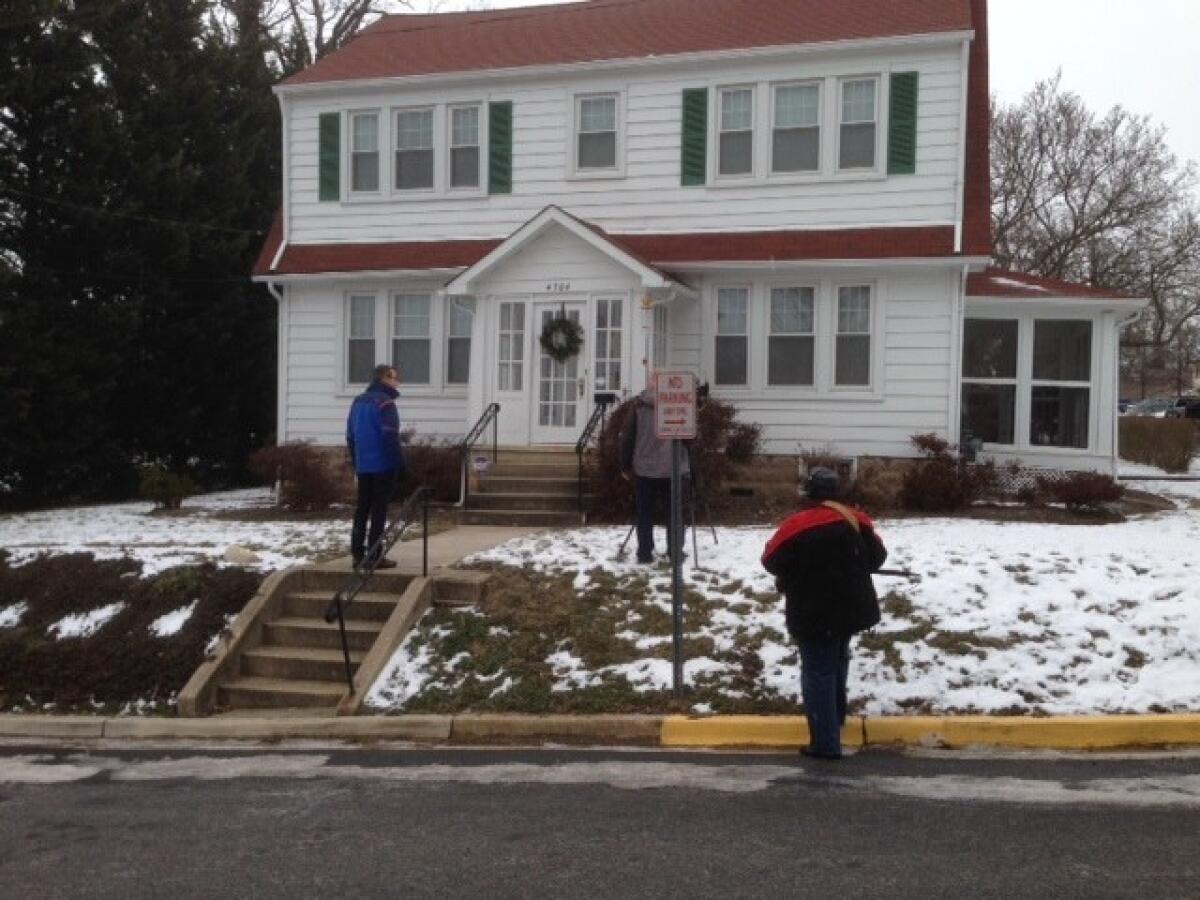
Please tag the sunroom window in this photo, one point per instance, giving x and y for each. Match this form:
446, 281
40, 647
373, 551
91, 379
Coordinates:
1060, 393
989, 380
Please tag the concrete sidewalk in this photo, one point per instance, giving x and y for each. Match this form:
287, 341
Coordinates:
446, 547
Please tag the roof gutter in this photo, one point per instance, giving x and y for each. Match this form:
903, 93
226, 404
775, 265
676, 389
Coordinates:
591, 66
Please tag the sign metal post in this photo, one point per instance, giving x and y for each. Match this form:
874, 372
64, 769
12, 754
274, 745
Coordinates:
675, 420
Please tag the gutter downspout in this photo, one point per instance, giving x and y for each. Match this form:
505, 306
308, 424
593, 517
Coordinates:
1116, 420
956, 338
960, 177
281, 344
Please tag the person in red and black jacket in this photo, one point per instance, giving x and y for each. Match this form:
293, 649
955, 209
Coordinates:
822, 558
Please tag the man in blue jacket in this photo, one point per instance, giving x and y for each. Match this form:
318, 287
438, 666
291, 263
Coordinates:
373, 436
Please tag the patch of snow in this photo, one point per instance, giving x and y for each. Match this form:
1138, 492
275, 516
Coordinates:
11, 614
172, 622
84, 624
1060, 618
159, 542
403, 677
1013, 282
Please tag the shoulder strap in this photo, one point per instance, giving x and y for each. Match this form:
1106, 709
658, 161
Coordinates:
845, 513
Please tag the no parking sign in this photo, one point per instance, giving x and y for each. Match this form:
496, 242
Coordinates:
675, 406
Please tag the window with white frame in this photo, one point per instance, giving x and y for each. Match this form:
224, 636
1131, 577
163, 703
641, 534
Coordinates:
410, 337
796, 129
360, 338
852, 346
791, 344
659, 349
464, 147
608, 343
856, 139
1060, 390
989, 379
596, 133
512, 346
461, 318
414, 149
735, 138
730, 352
364, 152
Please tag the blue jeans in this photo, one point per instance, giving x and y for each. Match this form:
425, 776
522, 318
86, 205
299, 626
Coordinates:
649, 494
824, 665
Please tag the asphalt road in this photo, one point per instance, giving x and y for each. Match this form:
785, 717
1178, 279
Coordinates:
327, 821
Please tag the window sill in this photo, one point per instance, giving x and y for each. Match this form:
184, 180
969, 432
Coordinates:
598, 175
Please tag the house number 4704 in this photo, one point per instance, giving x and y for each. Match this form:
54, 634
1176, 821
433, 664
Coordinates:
558, 287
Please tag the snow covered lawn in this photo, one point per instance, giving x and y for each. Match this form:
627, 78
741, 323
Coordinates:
203, 532
1001, 617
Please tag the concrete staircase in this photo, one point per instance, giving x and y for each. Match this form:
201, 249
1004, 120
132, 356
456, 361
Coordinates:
528, 487
281, 655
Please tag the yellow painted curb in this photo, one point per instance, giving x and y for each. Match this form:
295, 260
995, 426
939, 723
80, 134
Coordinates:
746, 731
1055, 732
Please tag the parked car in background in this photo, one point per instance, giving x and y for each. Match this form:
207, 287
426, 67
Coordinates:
1123, 405
1155, 406
1180, 405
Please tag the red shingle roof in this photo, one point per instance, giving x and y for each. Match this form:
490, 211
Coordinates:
659, 250
1005, 283
405, 45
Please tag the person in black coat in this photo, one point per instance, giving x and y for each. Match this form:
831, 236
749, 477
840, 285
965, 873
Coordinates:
822, 558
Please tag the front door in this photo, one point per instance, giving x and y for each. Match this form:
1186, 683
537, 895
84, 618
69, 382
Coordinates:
559, 404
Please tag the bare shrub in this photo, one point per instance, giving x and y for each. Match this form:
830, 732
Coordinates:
1080, 491
433, 465
307, 480
1167, 444
879, 485
941, 482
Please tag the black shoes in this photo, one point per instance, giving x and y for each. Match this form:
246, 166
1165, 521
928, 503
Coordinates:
819, 754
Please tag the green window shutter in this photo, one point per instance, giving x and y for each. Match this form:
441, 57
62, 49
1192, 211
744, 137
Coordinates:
902, 124
693, 163
329, 156
500, 147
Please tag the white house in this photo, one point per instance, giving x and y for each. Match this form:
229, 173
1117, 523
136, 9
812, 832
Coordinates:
787, 197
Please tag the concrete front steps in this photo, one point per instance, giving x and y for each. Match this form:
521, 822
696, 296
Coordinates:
528, 487
281, 655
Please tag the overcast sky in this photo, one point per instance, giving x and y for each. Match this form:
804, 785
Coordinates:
1142, 54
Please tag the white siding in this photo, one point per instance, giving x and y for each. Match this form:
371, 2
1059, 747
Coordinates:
317, 398
912, 347
648, 197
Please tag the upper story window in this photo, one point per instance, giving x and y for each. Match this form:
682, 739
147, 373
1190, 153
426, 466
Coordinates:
859, 113
414, 149
596, 133
364, 152
796, 131
735, 141
464, 147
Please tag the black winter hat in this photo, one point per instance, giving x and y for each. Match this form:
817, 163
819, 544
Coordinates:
822, 484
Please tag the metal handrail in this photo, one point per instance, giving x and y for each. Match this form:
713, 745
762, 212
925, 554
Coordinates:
597, 419
344, 598
490, 416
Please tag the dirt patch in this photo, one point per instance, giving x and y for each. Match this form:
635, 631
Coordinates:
123, 661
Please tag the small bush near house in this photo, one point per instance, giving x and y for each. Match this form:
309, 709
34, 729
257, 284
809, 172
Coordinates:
879, 485
744, 442
306, 475
942, 483
1167, 444
122, 661
1082, 491
437, 466
168, 490
716, 424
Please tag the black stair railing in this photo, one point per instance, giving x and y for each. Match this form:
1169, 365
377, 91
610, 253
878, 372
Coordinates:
595, 422
490, 417
377, 552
